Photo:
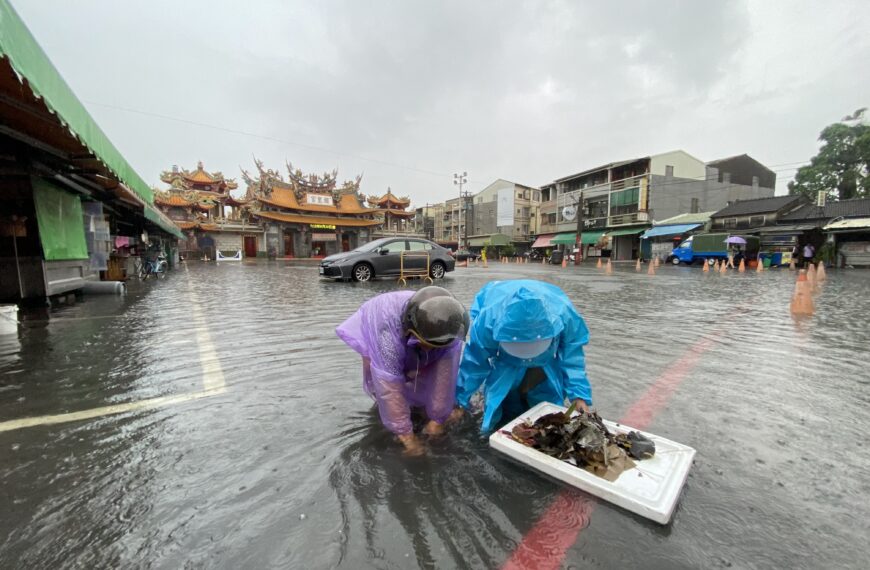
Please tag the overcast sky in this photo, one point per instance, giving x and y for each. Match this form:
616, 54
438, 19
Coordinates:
409, 92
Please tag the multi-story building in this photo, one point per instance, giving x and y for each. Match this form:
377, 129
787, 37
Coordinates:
621, 199
424, 220
503, 213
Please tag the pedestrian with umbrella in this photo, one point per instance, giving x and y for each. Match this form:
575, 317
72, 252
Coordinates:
735, 253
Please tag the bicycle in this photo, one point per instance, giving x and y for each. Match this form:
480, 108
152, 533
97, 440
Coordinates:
157, 268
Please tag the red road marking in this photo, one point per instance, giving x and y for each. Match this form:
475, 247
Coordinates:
544, 547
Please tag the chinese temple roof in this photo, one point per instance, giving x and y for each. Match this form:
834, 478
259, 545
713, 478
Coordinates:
330, 220
171, 199
198, 179
394, 212
286, 198
388, 199
301, 193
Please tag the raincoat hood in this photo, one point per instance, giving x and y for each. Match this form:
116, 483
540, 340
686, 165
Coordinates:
526, 317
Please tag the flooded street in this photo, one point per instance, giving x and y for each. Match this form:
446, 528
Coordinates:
259, 449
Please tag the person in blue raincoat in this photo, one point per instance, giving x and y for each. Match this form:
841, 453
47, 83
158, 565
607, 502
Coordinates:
525, 347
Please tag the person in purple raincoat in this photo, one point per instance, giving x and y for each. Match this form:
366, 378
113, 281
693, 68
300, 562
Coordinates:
410, 343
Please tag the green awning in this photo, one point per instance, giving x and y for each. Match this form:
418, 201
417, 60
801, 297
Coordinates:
498, 239
476, 242
626, 231
162, 221
60, 220
30, 62
591, 238
564, 239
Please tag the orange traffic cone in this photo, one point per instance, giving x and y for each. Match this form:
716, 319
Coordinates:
564, 262
598, 265
652, 269
656, 261
742, 267
802, 300
821, 274
759, 267
706, 266
723, 267
609, 269
637, 265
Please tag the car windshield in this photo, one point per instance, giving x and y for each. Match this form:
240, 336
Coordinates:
371, 245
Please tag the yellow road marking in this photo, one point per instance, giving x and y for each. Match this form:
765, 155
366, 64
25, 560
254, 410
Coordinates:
213, 381
148, 404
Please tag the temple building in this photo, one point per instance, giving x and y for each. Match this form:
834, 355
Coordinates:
211, 218
308, 215
397, 219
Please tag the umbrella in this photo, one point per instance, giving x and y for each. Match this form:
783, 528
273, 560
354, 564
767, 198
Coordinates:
736, 239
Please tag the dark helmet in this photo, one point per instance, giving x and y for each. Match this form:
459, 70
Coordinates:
435, 316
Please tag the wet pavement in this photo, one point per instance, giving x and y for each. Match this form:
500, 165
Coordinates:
283, 462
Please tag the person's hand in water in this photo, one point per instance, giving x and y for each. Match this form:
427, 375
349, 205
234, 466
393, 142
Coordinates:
455, 416
433, 428
413, 446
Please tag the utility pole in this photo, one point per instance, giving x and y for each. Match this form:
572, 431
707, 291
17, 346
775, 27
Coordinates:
459, 180
579, 204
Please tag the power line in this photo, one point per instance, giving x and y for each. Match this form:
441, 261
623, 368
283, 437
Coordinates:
359, 157
268, 138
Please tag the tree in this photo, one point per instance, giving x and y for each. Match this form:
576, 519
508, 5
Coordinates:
842, 166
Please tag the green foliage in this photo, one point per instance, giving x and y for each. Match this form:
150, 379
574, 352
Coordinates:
842, 166
508, 250
826, 254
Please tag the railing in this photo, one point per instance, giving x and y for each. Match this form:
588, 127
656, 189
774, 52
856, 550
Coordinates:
235, 224
628, 219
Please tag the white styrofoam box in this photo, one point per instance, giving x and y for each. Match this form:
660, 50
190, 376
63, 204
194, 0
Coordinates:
651, 489
8, 319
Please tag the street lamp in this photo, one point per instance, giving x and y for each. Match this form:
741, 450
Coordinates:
459, 180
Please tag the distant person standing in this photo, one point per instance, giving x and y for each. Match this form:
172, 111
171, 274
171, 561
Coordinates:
809, 253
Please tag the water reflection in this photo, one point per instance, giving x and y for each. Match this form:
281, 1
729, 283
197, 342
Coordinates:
776, 409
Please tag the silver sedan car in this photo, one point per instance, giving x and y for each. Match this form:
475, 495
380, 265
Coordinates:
385, 258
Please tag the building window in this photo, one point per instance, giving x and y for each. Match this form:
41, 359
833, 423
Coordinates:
624, 201
551, 218
669, 171
731, 223
695, 206
756, 221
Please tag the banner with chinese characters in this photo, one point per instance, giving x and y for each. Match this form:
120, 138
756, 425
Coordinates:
322, 237
318, 199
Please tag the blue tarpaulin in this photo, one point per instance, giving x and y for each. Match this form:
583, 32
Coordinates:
668, 230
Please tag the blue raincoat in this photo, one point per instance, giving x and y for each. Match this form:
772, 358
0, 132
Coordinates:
522, 311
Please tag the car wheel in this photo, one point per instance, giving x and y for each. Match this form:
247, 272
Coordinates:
675, 261
363, 272
436, 271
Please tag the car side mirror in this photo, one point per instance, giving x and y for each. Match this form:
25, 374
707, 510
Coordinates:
384, 251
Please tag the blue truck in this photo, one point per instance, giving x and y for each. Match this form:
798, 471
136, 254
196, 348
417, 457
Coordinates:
711, 247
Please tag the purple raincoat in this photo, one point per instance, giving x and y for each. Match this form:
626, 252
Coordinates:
397, 372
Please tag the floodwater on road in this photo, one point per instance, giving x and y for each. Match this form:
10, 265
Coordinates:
282, 461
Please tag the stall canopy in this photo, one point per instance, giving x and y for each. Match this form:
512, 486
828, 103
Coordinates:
544, 240
850, 224
674, 230
564, 239
477, 242
30, 62
590, 238
498, 239
625, 232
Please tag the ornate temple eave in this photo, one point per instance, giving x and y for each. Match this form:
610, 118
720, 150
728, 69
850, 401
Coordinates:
293, 218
